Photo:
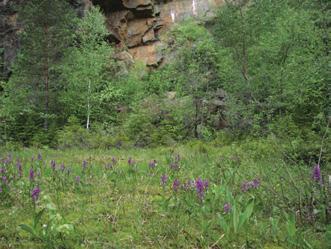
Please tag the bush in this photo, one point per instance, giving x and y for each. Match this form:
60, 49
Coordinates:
155, 121
73, 135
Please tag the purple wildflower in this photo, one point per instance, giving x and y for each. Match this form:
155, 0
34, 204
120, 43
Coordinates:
164, 179
77, 179
227, 208
256, 183
2, 170
131, 162
152, 164
316, 173
188, 185
245, 186
19, 168
84, 164
4, 180
174, 166
114, 160
201, 187
31, 174
39, 157
53, 165
176, 185
35, 194
62, 167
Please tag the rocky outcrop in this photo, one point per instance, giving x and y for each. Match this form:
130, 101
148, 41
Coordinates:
139, 25
136, 26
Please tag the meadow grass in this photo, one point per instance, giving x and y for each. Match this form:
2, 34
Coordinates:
249, 197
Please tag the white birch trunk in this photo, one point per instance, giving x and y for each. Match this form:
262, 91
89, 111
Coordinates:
88, 106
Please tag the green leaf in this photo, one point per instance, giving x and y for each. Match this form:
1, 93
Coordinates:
246, 214
65, 228
235, 218
223, 224
37, 218
28, 229
291, 229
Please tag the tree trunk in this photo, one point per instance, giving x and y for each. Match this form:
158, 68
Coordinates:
46, 78
244, 48
196, 135
88, 106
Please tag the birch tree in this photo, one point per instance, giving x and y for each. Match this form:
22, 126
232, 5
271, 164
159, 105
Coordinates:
85, 66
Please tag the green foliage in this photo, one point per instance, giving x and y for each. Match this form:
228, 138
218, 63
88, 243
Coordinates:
84, 68
249, 94
31, 97
278, 50
49, 226
259, 68
73, 135
155, 122
191, 78
233, 222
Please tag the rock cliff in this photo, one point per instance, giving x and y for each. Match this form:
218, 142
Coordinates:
136, 26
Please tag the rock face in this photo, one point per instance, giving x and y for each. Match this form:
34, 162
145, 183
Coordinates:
136, 26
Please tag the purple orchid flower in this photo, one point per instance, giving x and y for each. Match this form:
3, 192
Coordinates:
176, 185
152, 164
31, 174
62, 167
201, 187
227, 208
53, 165
35, 194
164, 179
4, 180
245, 186
316, 173
19, 168
84, 165
131, 162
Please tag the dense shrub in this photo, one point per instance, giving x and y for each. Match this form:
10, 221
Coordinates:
278, 51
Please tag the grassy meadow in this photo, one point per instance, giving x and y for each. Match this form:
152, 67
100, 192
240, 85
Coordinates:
197, 195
